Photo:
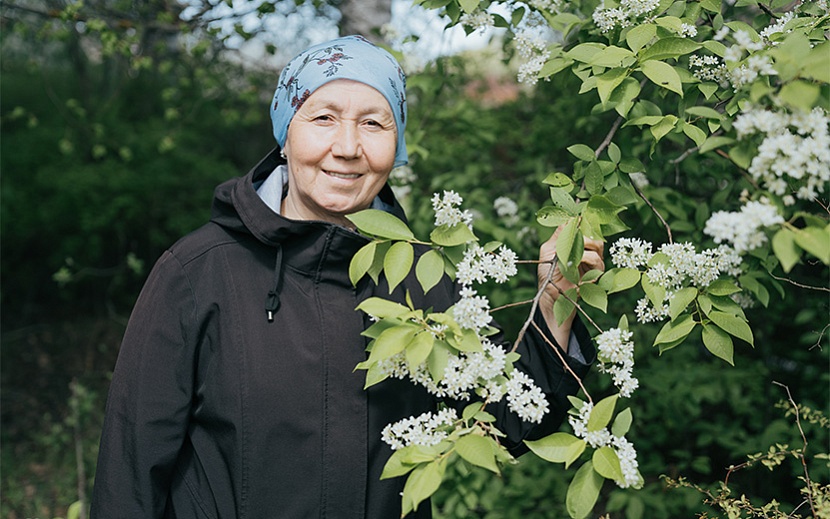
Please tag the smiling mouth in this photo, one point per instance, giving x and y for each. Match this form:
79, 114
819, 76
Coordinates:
345, 176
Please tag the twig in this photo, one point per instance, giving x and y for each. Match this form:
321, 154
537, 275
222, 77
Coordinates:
607, 140
535, 305
564, 363
685, 154
654, 210
799, 285
578, 307
804, 448
511, 305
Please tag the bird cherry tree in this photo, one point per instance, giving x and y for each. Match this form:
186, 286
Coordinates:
745, 83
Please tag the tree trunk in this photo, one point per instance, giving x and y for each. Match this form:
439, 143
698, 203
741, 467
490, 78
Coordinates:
365, 17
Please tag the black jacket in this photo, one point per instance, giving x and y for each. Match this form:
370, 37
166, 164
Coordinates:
216, 412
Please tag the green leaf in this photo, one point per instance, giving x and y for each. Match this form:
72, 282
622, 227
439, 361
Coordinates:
429, 270
666, 124
382, 308
694, 133
391, 342
582, 152
395, 466
419, 349
583, 491
816, 241
662, 74
562, 198
398, 263
622, 279
665, 48
594, 296
560, 180
622, 423
569, 249
607, 463
681, 300
671, 23
375, 374
381, 224
785, 248
622, 97
422, 483
558, 448
733, 325
438, 360
550, 216
640, 35
799, 95
361, 261
471, 410
607, 82
715, 141
593, 178
563, 308
468, 5
601, 413
711, 5
478, 451
449, 236
631, 165
722, 287
675, 330
584, 51
718, 342
704, 111
612, 56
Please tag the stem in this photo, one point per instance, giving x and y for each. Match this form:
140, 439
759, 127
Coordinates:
542, 287
802, 455
564, 363
510, 305
654, 210
745, 174
799, 285
607, 140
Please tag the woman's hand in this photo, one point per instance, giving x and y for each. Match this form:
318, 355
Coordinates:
591, 259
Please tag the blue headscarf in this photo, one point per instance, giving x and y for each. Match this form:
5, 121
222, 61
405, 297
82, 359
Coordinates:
349, 57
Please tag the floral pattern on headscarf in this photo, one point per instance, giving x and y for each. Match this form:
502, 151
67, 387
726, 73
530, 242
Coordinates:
350, 57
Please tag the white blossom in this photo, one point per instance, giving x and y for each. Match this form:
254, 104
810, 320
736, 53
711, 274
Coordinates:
478, 266
615, 352
688, 30
479, 20
630, 253
426, 429
628, 12
794, 155
447, 211
744, 229
507, 210
472, 311
628, 462
534, 51
525, 398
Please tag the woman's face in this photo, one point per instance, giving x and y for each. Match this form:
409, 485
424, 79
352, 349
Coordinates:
340, 148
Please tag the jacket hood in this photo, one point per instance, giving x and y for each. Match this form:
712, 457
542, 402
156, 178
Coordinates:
238, 207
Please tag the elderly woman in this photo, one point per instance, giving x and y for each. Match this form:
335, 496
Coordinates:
235, 394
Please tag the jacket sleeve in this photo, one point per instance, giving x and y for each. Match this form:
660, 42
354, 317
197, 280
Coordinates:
149, 400
541, 363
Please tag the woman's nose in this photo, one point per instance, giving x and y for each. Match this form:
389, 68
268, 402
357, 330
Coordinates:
347, 142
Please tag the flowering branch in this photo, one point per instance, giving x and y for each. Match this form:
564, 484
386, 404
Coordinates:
800, 285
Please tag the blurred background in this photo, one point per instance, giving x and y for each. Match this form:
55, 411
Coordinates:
120, 117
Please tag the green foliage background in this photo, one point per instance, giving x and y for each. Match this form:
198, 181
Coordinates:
105, 165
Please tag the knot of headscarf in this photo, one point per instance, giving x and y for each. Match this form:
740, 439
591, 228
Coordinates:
349, 57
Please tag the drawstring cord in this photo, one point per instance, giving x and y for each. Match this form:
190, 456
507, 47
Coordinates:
272, 302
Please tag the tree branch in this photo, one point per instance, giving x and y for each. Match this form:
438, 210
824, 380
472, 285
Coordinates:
802, 455
799, 285
564, 362
607, 140
654, 210
535, 305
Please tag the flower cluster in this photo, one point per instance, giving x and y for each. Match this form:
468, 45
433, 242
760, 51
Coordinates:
447, 211
478, 20
777, 27
628, 12
481, 373
794, 154
426, 429
534, 51
472, 311
743, 229
615, 348
688, 30
478, 265
680, 265
604, 438
745, 72
507, 210
710, 68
